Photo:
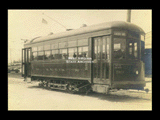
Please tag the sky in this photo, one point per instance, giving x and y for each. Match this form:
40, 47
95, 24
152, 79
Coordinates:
27, 24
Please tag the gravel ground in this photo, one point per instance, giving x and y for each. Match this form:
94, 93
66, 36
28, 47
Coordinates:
28, 96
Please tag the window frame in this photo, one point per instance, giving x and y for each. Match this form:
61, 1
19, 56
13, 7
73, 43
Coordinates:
62, 54
74, 52
81, 51
40, 55
53, 55
133, 41
121, 40
49, 57
40, 50
104, 42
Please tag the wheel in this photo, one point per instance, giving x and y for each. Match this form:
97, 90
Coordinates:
72, 88
41, 84
147, 90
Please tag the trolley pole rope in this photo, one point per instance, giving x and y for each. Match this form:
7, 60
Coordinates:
55, 21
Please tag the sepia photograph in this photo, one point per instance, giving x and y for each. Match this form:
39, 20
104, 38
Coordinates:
79, 59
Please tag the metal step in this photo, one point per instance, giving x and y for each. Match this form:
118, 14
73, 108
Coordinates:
57, 86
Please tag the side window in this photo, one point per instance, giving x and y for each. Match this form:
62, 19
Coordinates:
40, 53
47, 55
47, 51
54, 54
82, 48
63, 54
34, 53
83, 51
54, 51
72, 52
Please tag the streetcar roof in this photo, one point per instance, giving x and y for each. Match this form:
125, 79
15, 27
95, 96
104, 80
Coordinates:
107, 25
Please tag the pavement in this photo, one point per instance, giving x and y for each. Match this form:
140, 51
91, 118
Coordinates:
29, 96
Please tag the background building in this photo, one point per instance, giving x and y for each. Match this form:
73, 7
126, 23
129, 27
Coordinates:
148, 40
148, 53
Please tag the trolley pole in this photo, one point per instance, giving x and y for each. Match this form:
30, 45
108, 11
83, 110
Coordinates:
129, 15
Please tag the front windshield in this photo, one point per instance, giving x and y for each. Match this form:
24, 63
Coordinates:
119, 48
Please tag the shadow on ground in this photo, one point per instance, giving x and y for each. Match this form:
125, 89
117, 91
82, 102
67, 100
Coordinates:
113, 96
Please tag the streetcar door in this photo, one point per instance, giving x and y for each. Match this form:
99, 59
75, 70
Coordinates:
26, 62
101, 59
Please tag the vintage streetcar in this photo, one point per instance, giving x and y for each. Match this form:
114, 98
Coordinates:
95, 58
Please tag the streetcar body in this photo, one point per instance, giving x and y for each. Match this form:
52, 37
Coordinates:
98, 57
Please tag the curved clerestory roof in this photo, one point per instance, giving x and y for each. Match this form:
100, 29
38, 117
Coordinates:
107, 25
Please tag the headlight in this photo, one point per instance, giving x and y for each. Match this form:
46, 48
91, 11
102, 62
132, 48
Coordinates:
136, 71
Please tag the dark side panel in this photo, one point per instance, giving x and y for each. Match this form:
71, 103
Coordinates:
67, 70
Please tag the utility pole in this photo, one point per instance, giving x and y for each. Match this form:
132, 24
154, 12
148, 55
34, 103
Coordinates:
129, 15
